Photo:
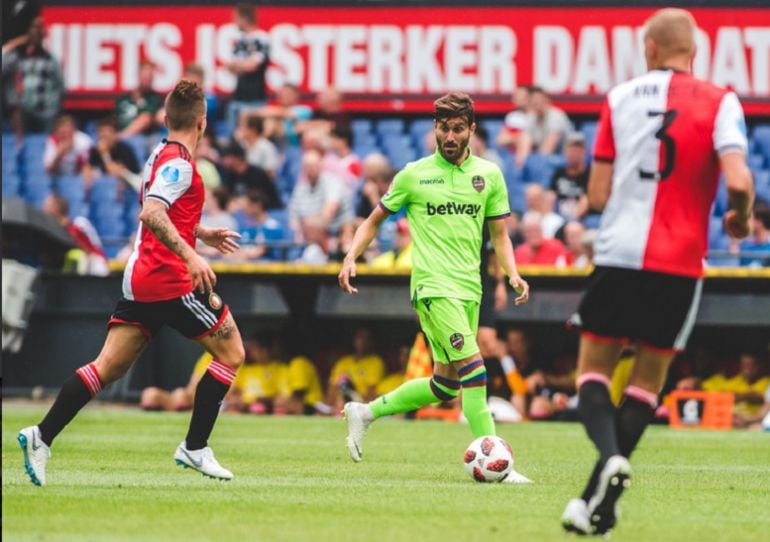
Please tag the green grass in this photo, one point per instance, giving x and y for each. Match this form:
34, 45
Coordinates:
112, 478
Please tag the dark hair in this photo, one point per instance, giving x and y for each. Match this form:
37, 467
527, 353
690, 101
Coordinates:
453, 105
221, 195
343, 132
233, 149
255, 196
255, 122
537, 90
185, 105
109, 120
482, 133
246, 11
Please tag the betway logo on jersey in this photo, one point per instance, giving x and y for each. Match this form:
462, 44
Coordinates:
452, 208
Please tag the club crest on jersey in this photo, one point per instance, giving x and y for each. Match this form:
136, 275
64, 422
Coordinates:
170, 174
215, 302
457, 341
478, 183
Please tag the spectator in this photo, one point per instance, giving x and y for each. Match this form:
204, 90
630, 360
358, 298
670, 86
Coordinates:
570, 182
66, 149
136, 111
91, 260
328, 113
761, 420
215, 215
538, 199
207, 157
282, 120
546, 127
377, 174
18, 16
303, 394
748, 386
241, 177
178, 399
195, 72
111, 156
33, 82
760, 238
319, 201
251, 56
537, 249
257, 228
575, 241
356, 376
516, 121
401, 255
260, 381
341, 161
479, 146
260, 151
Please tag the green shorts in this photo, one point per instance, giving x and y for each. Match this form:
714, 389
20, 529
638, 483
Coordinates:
450, 326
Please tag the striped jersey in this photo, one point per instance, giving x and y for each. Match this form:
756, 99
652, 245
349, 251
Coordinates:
153, 272
663, 132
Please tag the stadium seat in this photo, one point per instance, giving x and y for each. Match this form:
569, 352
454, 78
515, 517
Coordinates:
720, 203
538, 169
589, 131
364, 140
418, 128
361, 127
104, 189
111, 228
390, 126
761, 179
400, 157
71, 187
761, 137
493, 127
756, 161
11, 184
396, 141
79, 208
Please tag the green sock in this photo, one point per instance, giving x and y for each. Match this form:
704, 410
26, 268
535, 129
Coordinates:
473, 378
411, 395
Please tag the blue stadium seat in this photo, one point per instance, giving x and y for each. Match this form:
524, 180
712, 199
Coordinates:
104, 189
396, 141
761, 179
538, 169
106, 210
400, 157
418, 128
716, 232
79, 208
493, 127
756, 161
71, 186
111, 227
761, 137
720, 203
361, 127
589, 131
11, 184
364, 140
390, 126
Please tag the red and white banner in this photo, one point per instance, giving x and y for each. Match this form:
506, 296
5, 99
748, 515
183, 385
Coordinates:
396, 58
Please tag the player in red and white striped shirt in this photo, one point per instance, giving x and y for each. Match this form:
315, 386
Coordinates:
165, 283
662, 139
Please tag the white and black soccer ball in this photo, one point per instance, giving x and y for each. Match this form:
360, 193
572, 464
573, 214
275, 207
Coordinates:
488, 459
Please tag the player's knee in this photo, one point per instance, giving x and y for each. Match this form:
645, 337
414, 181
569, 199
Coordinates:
110, 369
235, 356
445, 389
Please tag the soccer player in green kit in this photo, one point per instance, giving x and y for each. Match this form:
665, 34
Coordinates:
449, 196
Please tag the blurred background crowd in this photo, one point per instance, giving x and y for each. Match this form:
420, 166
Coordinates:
296, 174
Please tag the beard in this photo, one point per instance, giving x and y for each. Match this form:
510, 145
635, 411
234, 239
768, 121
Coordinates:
453, 152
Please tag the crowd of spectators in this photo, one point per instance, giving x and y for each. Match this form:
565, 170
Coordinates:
288, 176
525, 380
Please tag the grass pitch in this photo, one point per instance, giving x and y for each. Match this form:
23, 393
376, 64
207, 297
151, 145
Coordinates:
112, 477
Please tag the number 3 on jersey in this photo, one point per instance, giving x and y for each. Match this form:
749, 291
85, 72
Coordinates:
669, 148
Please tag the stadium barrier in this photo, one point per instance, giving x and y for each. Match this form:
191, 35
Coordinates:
67, 323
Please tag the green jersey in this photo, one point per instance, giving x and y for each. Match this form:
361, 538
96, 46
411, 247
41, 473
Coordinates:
447, 206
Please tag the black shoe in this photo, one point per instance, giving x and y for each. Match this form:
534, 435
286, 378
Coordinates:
602, 507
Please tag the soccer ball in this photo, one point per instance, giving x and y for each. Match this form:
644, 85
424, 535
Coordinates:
488, 459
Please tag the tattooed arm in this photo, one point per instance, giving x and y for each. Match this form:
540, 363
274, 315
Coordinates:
155, 218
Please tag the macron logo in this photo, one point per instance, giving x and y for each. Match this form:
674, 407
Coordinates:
452, 208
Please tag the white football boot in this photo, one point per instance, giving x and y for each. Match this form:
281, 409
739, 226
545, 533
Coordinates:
516, 478
203, 461
359, 417
603, 505
36, 454
576, 518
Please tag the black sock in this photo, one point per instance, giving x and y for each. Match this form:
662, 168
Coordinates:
208, 398
588, 492
73, 396
596, 411
633, 418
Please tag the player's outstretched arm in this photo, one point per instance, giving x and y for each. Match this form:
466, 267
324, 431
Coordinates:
155, 218
740, 193
498, 234
219, 238
361, 240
